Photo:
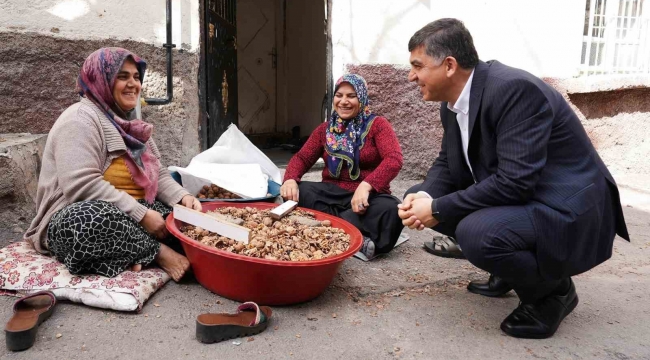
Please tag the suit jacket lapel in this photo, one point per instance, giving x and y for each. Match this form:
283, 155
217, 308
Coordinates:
455, 157
476, 92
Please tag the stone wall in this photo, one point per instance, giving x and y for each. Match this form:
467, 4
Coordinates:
616, 115
37, 82
416, 123
595, 105
20, 162
618, 124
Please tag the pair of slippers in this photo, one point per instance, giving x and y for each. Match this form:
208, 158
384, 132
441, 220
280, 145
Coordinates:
30, 311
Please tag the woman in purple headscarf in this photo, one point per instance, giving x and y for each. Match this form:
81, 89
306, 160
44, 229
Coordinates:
362, 156
102, 193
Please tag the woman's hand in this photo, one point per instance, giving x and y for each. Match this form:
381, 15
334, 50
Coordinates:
289, 190
360, 199
154, 223
191, 202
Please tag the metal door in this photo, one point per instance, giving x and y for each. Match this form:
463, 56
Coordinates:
221, 66
257, 64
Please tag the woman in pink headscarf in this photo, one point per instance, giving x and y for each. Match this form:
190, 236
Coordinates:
102, 192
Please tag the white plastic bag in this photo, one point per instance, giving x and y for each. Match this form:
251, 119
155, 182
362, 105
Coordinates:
233, 163
245, 180
233, 147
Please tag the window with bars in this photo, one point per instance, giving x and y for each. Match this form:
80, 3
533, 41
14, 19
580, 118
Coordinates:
616, 37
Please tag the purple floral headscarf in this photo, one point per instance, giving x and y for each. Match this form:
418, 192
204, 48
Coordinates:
344, 139
95, 82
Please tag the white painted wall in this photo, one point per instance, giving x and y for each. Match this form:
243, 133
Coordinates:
542, 37
139, 20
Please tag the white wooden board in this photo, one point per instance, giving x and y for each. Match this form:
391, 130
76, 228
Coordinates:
223, 228
282, 210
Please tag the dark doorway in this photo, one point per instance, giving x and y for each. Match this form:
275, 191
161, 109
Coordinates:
266, 67
220, 29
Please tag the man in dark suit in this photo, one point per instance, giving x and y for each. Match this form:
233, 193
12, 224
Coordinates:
517, 181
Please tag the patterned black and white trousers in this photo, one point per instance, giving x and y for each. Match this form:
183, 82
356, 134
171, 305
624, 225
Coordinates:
95, 237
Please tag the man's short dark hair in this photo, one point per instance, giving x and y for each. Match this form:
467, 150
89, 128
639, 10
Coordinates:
446, 37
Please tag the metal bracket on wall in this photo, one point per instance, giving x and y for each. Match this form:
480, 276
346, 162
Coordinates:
168, 45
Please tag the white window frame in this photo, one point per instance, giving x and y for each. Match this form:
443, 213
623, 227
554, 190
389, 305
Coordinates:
620, 30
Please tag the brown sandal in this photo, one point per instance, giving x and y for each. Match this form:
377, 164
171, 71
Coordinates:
29, 312
250, 319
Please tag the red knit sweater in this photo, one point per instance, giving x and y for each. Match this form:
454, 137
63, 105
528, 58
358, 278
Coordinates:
380, 158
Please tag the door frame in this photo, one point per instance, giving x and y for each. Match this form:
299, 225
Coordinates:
202, 79
281, 70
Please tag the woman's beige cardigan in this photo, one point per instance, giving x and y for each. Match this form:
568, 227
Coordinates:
80, 147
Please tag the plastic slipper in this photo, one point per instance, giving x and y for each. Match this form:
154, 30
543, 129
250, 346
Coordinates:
250, 319
447, 247
29, 312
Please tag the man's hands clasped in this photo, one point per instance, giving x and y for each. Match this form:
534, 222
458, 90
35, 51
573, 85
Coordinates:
415, 212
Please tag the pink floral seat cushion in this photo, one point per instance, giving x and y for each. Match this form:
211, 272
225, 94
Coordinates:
23, 270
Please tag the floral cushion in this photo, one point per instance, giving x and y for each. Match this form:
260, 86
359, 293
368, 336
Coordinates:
23, 270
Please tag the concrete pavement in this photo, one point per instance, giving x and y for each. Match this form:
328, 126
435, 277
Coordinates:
407, 305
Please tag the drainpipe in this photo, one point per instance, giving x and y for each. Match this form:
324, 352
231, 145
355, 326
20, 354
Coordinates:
169, 46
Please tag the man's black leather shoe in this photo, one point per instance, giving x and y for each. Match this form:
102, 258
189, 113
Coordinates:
495, 286
541, 319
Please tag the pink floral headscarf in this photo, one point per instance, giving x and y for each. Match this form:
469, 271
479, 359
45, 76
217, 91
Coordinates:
95, 82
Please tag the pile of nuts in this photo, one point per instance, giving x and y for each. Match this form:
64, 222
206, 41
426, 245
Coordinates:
215, 192
295, 237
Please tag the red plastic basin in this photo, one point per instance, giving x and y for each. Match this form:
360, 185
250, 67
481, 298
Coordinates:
268, 282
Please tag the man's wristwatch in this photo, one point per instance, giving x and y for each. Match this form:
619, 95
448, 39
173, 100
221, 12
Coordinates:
434, 210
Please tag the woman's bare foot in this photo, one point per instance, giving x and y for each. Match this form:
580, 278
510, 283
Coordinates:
172, 262
136, 267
